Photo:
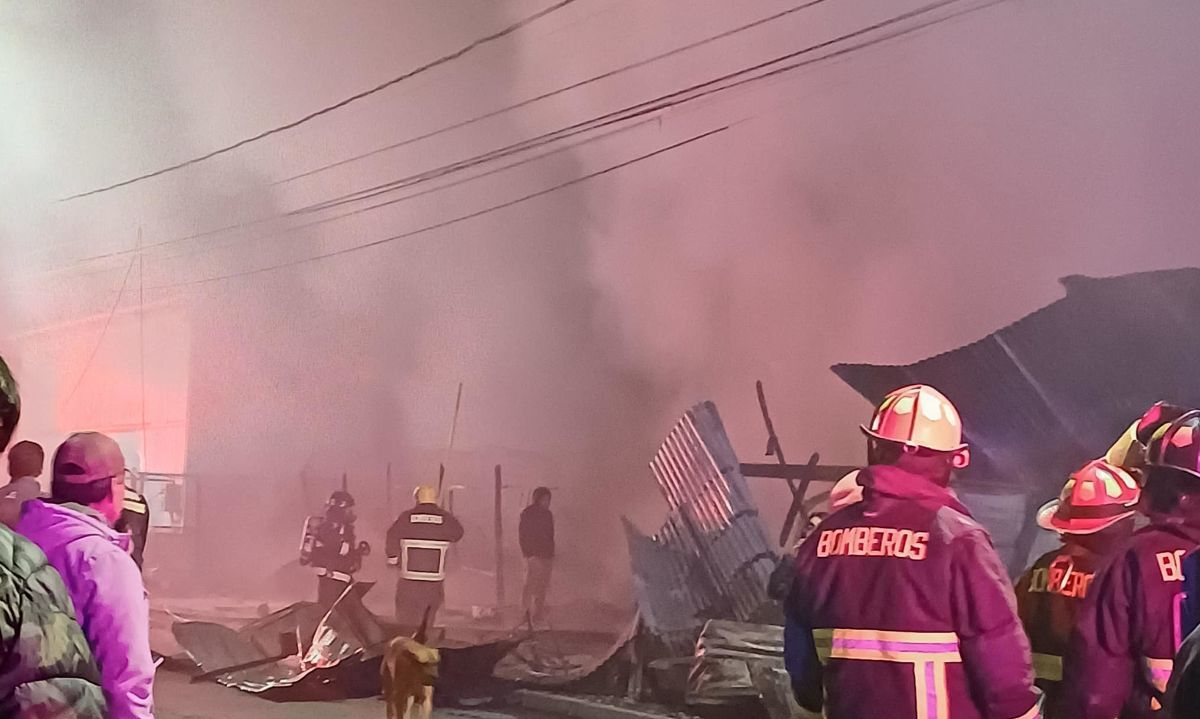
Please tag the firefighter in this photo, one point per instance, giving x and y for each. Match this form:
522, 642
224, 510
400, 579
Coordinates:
1093, 514
901, 596
1129, 452
134, 520
329, 546
1120, 655
417, 543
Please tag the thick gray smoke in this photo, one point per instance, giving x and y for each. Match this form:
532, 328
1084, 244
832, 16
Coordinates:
892, 204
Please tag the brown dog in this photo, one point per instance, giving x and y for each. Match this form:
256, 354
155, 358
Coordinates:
408, 672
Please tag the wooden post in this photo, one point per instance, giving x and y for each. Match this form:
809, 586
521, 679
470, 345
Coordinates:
499, 541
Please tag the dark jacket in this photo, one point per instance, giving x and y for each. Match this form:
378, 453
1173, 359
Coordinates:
536, 532
135, 521
1050, 596
904, 599
46, 666
433, 527
1120, 655
336, 549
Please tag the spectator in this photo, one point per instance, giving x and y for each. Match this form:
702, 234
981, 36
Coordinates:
46, 667
537, 545
25, 462
87, 486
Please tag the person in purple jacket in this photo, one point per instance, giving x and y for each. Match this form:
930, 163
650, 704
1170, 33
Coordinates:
1121, 654
75, 531
900, 607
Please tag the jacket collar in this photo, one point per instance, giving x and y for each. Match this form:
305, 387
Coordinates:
900, 484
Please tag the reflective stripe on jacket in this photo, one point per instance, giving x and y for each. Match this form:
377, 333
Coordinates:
910, 610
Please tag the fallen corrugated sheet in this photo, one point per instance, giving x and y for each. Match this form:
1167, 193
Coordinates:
712, 558
724, 656
340, 653
1044, 394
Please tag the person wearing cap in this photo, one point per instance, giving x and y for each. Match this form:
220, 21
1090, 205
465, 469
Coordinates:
901, 607
1120, 655
75, 530
46, 665
417, 543
1093, 514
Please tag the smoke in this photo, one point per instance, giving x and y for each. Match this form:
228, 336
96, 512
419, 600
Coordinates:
895, 203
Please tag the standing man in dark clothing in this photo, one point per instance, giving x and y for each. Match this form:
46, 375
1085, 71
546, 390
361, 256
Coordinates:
417, 543
135, 520
1121, 654
537, 546
329, 546
1093, 514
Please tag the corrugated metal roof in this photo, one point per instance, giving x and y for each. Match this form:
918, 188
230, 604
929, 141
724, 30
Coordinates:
1055, 388
711, 559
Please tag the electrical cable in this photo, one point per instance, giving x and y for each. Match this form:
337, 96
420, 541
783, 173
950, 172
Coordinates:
329, 108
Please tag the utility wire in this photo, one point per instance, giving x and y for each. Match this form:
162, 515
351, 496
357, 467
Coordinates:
669, 100
672, 99
559, 91
405, 198
494, 154
103, 333
447, 223
330, 108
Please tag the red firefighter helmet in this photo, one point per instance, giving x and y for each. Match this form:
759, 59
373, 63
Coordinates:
1177, 445
1096, 496
918, 416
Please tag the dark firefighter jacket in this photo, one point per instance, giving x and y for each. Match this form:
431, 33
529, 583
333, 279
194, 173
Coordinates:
335, 553
1049, 597
536, 532
417, 542
904, 600
46, 666
1120, 655
135, 521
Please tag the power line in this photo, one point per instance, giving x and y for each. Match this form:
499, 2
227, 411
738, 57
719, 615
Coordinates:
103, 333
559, 91
414, 195
677, 97
486, 157
330, 108
447, 223
685, 95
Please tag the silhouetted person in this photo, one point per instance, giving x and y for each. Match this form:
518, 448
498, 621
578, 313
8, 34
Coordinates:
536, 533
135, 521
25, 462
331, 549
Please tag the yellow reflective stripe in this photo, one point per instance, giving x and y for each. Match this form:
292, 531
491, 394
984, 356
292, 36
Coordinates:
883, 635
1158, 671
939, 690
1047, 667
922, 691
887, 655
823, 640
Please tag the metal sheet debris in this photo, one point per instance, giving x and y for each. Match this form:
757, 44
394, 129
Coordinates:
712, 558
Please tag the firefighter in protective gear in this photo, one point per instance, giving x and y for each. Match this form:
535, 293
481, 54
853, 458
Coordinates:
135, 520
1121, 654
1129, 452
329, 546
1093, 514
901, 607
417, 543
